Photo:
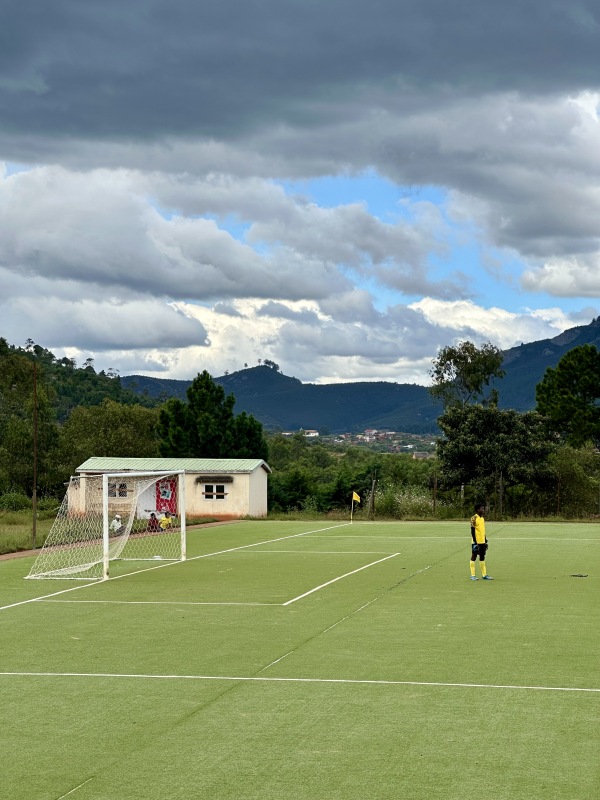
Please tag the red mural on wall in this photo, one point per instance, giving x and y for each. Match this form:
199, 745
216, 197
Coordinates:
166, 495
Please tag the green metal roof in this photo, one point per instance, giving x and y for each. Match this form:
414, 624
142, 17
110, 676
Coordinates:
216, 465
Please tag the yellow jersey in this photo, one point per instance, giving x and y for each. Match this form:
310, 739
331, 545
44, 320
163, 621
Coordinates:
478, 525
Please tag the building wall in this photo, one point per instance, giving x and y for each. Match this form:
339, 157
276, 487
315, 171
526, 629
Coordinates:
245, 495
235, 503
257, 493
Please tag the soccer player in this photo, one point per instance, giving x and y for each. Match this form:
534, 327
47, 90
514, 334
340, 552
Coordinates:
479, 544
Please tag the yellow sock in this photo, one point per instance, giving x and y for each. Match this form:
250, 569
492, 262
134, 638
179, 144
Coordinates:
483, 569
472, 567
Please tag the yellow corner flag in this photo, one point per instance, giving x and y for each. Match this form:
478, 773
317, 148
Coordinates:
355, 497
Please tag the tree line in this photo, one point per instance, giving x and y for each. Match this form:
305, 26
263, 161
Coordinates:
64, 414
542, 462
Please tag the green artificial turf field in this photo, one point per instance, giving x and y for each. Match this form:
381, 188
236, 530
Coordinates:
309, 661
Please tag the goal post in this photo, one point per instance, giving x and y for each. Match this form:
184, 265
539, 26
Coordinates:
127, 516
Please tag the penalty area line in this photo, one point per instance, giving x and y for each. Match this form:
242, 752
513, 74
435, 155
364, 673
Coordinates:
333, 681
74, 789
170, 564
339, 578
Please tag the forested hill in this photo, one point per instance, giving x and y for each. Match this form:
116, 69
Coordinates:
64, 385
284, 403
526, 364
281, 402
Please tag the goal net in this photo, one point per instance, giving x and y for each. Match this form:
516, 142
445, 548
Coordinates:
128, 516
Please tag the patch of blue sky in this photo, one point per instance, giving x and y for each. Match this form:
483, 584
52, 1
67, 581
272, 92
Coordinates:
488, 278
230, 223
381, 197
494, 279
14, 168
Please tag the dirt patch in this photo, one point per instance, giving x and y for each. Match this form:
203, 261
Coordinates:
18, 554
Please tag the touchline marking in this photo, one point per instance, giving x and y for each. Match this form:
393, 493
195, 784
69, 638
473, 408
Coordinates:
161, 603
170, 564
494, 537
264, 679
339, 578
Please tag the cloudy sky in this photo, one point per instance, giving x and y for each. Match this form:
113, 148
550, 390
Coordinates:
341, 186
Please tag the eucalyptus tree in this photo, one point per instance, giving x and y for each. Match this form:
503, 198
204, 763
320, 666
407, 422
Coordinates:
462, 374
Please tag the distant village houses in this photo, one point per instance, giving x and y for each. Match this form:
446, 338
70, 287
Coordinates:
418, 447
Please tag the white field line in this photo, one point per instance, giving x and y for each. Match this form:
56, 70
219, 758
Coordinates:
277, 660
46, 596
340, 621
325, 552
170, 564
190, 603
374, 600
159, 603
74, 789
264, 679
416, 523
339, 578
493, 538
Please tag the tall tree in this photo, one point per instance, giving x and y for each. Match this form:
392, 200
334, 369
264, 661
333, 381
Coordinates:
462, 374
205, 426
577, 480
248, 437
17, 424
110, 429
484, 445
569, 395
173, 435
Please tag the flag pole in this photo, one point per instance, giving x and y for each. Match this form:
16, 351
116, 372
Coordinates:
354, 497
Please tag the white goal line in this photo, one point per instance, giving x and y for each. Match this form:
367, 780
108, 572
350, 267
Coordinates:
335, 681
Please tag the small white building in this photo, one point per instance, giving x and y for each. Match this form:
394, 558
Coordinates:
225, 488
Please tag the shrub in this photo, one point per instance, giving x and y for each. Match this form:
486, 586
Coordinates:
403, 501
48, 504
14, 501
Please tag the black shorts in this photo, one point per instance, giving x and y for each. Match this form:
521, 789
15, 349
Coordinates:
478, 550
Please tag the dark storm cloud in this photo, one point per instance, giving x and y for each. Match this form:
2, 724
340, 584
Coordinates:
106, 69
156, 138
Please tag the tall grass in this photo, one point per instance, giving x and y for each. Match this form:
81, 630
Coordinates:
16, 527
16, 530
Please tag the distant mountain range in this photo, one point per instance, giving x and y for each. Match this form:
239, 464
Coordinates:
284, 403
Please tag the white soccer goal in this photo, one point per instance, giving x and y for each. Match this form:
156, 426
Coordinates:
135, 516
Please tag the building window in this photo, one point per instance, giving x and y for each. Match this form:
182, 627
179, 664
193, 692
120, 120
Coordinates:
117, 490
214, 491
